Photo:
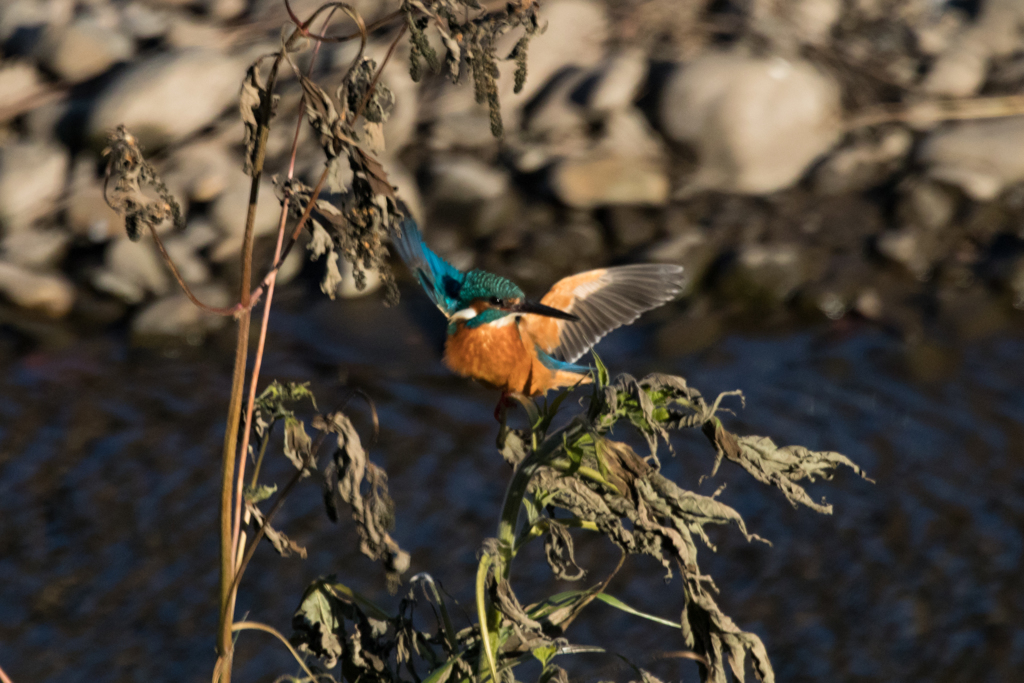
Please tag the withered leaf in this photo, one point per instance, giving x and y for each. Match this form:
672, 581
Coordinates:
285, 546
251, 101
375, 175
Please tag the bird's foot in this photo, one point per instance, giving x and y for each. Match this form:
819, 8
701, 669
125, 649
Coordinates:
504, 403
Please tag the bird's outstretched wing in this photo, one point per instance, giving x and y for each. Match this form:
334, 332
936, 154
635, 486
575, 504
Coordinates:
602, 299
441, 280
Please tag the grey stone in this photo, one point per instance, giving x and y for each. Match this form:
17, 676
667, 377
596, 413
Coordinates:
617, 81
690, 248
961, 69
928, 205
228, 212
166, 98
756, 124
143, 21
83, 49
768, 274
88, 215
603, 180
19, 81
35, 248
909, 248
132, 270
979, 157
175, 318
22, 21
465, 179
32, 176
185, 32
203, 169
864, 164
51, 294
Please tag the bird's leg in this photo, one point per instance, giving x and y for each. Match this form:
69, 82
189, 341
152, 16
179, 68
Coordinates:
504, 403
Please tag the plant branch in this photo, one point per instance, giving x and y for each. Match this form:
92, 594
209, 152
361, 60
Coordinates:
258, 360
256, 626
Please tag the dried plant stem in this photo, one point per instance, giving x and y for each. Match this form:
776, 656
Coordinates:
256, 626
4, 678
258, 360
937, 111
227, 555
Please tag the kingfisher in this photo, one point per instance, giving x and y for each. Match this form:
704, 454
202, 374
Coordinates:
503, 340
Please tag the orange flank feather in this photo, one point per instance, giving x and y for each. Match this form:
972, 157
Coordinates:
498, 356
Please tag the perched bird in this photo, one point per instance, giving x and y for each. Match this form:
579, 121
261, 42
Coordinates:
497, 337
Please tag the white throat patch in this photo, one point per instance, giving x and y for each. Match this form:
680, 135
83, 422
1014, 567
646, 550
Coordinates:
464, 314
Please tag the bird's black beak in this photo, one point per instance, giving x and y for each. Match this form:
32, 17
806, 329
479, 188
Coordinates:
541, 309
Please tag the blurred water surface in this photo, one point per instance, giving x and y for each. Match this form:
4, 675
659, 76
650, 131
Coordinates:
109, 473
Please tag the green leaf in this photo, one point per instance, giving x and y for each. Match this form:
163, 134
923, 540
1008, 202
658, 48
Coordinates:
618, 604
544, 653
601, 376
260, 493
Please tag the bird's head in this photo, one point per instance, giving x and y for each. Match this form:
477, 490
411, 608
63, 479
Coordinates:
488, 298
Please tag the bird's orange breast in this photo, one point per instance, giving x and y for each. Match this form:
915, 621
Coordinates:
499, 356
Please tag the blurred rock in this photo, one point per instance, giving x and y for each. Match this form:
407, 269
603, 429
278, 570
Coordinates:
88, 215
603, 180
571, 248
690, 248
83, 49
960, 70
32, 178
35, 248
143, 21
22, 22
769, 274
756, 124
51, 294
199, 233
631, 226
131, 270
626, 166
191, 267
175, 318
465, 179
224, 9
928, 205
979, 157
864, 164
185, 32
812, 20
18, 81
203, 169
167, 97
908, 247
228, 214
616, 82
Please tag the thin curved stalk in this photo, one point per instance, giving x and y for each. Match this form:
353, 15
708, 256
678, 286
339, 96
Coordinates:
481, 610
258, 360
257, 626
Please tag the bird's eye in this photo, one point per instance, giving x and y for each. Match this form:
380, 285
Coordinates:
495, 301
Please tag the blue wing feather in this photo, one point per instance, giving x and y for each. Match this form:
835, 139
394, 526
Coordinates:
553, 363
441, 280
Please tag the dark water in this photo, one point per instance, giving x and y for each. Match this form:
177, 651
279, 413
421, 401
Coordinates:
109, 480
